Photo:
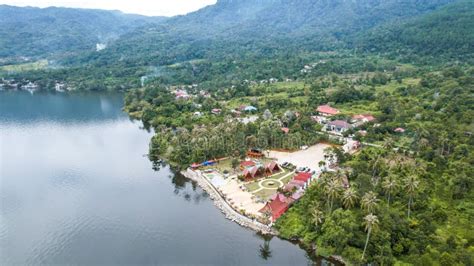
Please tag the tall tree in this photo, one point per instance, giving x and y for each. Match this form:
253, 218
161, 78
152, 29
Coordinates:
349, 198
370, 202
390, 185
318, 216
332, 192
411, 185
371, 222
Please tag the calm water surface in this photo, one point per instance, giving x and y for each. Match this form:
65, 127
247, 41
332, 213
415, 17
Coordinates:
75, 188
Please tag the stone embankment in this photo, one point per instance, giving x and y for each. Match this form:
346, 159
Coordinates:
224, 206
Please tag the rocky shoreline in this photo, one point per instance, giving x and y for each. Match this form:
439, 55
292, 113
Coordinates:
226, 209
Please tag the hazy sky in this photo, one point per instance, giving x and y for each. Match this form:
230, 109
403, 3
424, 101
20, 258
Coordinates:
144, 7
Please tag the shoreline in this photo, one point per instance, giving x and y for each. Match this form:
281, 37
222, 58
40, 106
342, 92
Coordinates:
229, 212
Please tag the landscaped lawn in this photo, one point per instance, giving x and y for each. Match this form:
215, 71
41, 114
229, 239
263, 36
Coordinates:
265, 193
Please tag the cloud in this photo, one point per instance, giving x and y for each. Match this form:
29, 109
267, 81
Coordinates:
143, 7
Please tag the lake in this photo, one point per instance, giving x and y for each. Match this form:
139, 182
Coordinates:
77, 188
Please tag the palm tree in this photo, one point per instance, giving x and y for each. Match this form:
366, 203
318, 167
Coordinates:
349, 198
322, 164
390, 185
370, 202
318, 216
411, 186
332, 191
371, 222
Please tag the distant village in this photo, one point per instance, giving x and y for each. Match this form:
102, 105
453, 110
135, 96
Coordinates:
32, 87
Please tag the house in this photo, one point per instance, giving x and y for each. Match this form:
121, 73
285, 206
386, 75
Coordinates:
30, 86
326, 110
272, 168
216, 111
59, 87
297, 195
182, 94
338, 126
294, 186
255, 153
250, 108
285, 130
297, 183
303, 177
197, 114
278, 205
252, 173
366, 118
399, 130
319, 119
247, 164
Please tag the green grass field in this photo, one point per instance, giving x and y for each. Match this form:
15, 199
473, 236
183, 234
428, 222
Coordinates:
42, 64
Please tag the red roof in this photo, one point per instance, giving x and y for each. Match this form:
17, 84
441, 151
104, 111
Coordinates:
278, 206
285, 130
326, 109
273, 166
297, 183
367, 117
251, 172
247, 163
303, 177
399, 130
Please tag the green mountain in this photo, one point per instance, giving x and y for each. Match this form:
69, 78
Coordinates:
35, 32
448, 30
230, 41
262, 28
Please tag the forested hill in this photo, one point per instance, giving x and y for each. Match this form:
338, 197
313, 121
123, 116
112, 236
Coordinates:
231, 41
262, 28
30, 32
447, 31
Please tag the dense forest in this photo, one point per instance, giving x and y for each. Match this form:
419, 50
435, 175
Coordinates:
55, 32
408, 63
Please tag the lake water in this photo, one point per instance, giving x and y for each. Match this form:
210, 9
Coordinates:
76, 188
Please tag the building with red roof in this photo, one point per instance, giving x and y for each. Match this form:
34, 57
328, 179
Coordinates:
216, 111
359, 120
326, 110
399, 130
251, 173
303, 176
297, 183
278, 205
247, 164
272, 168
285, 130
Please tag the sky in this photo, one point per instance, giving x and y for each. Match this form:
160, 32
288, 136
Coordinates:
143, 7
